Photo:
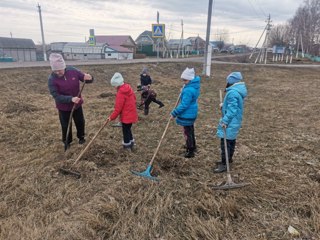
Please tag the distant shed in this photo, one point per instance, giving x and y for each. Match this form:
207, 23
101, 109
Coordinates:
20, 49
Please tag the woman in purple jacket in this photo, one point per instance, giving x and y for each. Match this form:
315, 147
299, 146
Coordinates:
64, 86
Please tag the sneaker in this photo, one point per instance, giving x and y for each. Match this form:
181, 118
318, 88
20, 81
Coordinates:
220, 169
82, 141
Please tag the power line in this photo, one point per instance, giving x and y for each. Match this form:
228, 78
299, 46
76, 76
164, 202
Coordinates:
263, 12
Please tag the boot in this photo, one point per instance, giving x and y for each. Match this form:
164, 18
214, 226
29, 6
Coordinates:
220, 162
195, 150
220, 169
189, 153
161, 105
146, 111
132, 144
82, 141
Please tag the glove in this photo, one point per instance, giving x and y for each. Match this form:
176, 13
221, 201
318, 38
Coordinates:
223, 125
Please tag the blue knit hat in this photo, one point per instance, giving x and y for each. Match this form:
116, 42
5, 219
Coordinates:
234, 77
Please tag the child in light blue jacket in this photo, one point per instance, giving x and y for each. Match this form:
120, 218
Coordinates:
232, 113
187, 111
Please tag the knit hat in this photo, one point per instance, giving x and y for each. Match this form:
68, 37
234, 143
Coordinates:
234, 77
145, 70
117, 80
188, 74
57, 62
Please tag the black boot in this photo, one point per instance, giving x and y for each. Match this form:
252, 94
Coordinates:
221, 168
189, 153
146, 111
161, 105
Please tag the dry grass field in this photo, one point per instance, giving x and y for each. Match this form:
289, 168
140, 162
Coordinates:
277, 153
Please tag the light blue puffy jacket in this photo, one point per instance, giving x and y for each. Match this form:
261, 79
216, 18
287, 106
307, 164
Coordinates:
232, 110
187, 111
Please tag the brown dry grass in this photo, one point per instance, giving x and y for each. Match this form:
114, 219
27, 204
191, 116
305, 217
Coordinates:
277, 153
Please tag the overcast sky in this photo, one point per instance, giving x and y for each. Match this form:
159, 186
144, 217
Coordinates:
70, 20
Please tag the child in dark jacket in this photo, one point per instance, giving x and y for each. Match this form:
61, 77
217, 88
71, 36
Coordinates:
125, 106
148, 95
187, 111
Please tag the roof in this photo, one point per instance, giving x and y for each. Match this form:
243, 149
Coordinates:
145, 34
185, 42
16, 43
120, 49
195, 38
79, 47
114, 40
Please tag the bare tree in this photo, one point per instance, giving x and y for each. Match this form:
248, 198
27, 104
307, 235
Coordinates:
280, 35
305, 26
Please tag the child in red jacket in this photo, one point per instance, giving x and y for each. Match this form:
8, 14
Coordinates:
125, 106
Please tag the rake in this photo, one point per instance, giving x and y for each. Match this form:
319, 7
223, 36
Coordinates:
66, 144
147, 172
75, 173
229, 184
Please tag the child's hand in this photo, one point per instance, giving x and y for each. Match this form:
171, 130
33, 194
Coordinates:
223, 125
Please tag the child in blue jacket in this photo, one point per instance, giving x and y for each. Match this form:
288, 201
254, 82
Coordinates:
187, 111
232, 113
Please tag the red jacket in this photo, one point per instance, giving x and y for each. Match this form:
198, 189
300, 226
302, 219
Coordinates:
125, 105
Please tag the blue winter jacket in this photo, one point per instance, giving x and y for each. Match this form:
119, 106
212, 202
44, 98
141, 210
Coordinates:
232, 110
187, 111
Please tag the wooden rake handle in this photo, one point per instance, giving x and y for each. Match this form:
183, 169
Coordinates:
165, 130
89, 144
71, 114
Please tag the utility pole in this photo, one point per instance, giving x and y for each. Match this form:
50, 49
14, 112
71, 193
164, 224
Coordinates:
158, 40
42, 34
267, 36
180, 46
264, 49
181, 39
206, 61
257, 43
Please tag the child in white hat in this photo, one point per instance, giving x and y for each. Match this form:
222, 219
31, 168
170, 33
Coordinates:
125, 107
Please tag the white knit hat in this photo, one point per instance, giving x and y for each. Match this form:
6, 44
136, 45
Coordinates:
117, 80
188, 74
57, 62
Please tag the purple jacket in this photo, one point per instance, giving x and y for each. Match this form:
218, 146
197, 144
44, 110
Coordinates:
65, 88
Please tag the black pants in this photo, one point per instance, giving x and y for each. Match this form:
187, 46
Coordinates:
231, 145
78, 119
127, 134
149, 100
190, 138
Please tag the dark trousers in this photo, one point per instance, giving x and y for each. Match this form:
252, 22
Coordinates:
231, 145
188, 132
78, 119
149, 100
127, 134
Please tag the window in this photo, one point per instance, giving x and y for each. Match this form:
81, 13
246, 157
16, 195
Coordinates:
109, 54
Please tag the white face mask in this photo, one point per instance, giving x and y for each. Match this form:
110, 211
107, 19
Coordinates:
144, 74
